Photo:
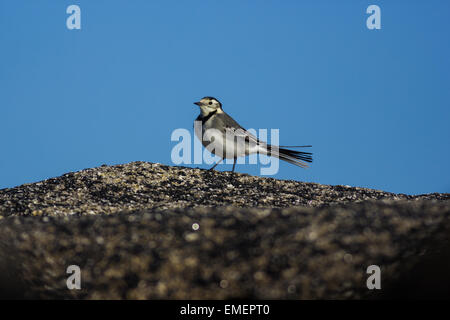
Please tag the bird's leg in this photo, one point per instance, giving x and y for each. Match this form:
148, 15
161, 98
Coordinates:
215, 164
234, 164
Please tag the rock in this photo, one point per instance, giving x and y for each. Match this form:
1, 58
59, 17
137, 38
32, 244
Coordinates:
148, 231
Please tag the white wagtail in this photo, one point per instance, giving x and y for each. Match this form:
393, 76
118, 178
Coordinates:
227, 139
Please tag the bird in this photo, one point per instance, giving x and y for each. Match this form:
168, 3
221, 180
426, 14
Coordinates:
228, 139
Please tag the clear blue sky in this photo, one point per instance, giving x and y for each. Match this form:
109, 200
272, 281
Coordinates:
375, 104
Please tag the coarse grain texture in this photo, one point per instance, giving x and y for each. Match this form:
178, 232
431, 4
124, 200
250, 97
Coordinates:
143, 185
148, 231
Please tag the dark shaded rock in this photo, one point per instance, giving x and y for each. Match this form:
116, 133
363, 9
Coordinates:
147, 231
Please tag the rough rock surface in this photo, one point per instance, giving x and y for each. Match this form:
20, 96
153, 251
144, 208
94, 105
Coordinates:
146, 231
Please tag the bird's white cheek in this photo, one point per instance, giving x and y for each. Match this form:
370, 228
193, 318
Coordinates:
205, 110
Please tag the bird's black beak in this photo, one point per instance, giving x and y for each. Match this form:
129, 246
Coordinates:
198, 103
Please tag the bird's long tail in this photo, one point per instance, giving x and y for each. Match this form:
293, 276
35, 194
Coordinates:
297, 158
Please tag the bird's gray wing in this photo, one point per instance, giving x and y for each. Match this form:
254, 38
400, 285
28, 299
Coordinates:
231, 126
247, 136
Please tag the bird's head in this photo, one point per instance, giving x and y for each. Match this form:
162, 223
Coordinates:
208, 105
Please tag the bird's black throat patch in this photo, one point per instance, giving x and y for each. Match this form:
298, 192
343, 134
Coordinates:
207, 117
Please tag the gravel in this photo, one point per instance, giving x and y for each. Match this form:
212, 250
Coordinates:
149, 231
143, 185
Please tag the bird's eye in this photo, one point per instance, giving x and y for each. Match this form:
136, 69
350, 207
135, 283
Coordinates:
210, 103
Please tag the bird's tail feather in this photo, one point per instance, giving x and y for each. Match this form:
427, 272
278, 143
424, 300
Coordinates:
297, 158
